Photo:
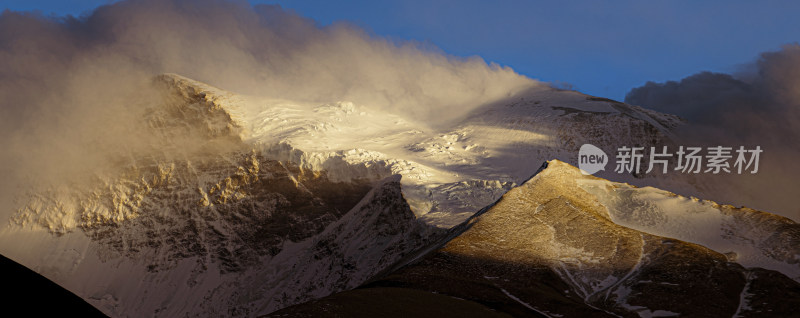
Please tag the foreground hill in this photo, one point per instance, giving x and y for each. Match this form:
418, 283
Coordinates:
549, 248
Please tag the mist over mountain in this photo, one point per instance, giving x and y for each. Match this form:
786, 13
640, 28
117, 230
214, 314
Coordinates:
73, 87
213, 158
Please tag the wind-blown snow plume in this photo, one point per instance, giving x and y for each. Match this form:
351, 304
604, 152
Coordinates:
756, 107
72, 88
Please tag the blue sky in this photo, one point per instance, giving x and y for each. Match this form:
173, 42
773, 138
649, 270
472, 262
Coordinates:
603, 48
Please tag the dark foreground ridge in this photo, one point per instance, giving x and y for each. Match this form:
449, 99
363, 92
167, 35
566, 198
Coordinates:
31, 294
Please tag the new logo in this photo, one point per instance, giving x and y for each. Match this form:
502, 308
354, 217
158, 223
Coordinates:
591, 159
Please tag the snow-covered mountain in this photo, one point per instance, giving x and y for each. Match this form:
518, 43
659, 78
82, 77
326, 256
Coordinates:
558, 246
246, 204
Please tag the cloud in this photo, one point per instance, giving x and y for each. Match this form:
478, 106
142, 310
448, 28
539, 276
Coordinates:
260, 50
72, 88
756, 107
701, 97
760, 104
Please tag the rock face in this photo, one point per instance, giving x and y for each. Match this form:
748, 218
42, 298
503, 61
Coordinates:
377, 233
244, 241
550, 248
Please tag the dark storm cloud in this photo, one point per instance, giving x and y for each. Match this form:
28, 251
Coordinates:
699, 97
760, 105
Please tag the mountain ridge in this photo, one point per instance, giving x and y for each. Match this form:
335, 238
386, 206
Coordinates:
548, 248
260, 204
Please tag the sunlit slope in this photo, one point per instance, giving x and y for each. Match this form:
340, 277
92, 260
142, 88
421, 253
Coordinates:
550, 248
